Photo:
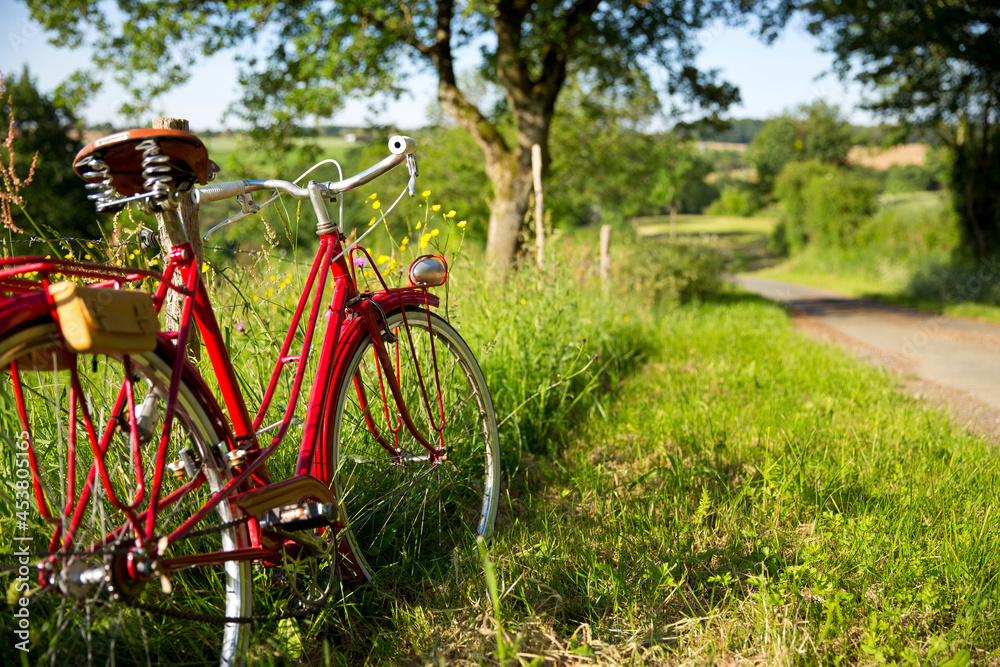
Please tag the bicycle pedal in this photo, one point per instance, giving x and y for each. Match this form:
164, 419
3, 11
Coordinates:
299, 517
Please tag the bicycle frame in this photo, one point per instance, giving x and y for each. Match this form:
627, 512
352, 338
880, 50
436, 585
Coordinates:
352, 315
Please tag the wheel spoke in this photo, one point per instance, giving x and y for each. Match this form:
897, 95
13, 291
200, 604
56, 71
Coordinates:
409, 512
96, 619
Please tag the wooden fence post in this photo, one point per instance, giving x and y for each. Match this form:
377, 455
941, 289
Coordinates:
605, 253
175, 227
536, 175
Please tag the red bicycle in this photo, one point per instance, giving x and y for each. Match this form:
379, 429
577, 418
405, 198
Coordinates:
149, 507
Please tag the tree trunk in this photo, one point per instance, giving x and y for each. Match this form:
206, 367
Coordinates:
512, 187
514, 182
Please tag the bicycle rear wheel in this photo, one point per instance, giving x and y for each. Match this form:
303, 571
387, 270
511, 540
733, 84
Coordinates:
86, 605
401, 511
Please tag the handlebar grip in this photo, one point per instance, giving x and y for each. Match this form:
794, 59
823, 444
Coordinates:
219, 191
400, 145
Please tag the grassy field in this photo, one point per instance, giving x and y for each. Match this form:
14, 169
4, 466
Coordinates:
745, 240
714, 488
682, 484
695, 484
233, 151
748, 495
720, 225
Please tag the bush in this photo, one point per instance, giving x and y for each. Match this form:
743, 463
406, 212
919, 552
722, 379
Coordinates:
658, 274
918, 226
823, 205
735, 200
836, 207
792, 234
910, 178
958, 282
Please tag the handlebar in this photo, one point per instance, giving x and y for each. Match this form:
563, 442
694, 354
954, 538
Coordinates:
400, 148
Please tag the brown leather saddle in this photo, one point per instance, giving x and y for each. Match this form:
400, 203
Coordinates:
139, 161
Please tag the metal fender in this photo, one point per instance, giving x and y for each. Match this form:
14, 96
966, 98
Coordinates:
21, 309
352, 331
18, 309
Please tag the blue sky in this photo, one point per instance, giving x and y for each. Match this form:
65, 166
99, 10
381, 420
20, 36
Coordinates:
771, 78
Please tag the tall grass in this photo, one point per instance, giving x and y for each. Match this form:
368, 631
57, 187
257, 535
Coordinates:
752, 496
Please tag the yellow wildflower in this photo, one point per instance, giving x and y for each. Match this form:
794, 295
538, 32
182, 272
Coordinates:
436, 207
87, 257
272, 278
392, 263
419, 224
425, 194
372, 221
204, 268
270, 291
424, 240
154, 262
288, 279
462, 224
381, 259
373, 195
376, 204
524, 301
90, 245
450, 214
434, 232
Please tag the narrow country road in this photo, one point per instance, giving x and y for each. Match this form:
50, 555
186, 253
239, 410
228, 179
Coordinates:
949, 360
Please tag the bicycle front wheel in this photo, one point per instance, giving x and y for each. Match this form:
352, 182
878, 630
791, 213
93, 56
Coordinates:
89, 601
403, 511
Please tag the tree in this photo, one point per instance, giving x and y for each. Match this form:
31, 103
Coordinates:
325, 50
55, 199
932, 65
602, 164
815, 131
678, 167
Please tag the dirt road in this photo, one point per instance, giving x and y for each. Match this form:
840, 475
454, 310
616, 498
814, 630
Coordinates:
947, 360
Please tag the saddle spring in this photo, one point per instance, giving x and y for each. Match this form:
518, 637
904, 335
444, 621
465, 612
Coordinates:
155, 168
99, 169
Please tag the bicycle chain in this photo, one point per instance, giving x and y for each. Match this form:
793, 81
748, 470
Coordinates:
8, 563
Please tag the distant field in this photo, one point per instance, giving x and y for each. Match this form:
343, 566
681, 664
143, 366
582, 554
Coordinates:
659, 225
745, 239
883, 158
230, 151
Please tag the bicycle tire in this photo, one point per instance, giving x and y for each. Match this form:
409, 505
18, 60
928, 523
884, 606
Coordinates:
101, 624
409, 516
